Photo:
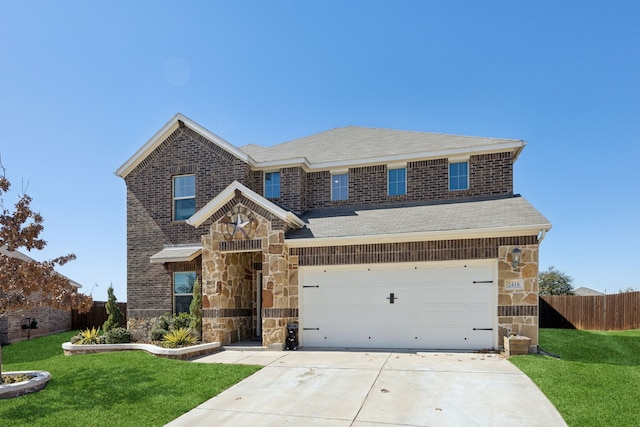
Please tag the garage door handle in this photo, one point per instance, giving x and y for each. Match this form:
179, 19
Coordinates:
311, 286
310, 329
483, 329
483, 281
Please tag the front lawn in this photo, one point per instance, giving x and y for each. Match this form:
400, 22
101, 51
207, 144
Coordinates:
596, 382
128, 388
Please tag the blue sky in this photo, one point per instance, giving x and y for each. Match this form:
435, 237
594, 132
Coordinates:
84, 84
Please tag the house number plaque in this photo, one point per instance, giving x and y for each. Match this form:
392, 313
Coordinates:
514, 285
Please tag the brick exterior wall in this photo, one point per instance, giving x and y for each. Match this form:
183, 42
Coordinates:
489, 175
439, 250
149, 211
50, 321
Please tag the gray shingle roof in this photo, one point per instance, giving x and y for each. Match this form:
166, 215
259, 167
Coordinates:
478, 215
358, 143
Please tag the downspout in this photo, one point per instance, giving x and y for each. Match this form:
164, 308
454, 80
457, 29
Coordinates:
543, 233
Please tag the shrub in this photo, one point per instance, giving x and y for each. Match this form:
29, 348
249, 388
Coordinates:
178, 338
115, 315
88, 336
181, 321
163, 322
195, 310
118, 336
167, 323
161, 327
157, 333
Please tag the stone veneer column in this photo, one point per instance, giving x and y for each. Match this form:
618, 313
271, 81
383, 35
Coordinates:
518, 308
280, 302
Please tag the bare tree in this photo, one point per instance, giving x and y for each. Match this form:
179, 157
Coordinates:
24, 282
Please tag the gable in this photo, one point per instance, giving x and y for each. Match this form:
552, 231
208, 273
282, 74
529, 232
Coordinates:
237, 190
176, 122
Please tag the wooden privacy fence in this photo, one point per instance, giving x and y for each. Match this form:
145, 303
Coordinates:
96, 317
615, 312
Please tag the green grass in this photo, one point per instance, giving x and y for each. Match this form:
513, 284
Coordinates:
596, 382
129, 388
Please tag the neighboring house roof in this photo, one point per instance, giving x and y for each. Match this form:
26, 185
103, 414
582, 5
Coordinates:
371, 145
486, 218
586, 292
337, 148
20, 255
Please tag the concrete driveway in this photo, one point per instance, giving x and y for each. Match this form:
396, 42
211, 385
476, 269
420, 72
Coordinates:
347, 388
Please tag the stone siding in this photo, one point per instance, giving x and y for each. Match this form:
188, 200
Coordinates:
518, 308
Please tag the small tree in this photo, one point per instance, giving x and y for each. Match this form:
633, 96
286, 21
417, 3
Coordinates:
195, 309
24, 282
554, 282
114, 312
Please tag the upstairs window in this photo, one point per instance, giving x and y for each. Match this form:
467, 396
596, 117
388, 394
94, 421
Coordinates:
458, 176
183, 290
397, 182
184, 197
340, 186
272, 185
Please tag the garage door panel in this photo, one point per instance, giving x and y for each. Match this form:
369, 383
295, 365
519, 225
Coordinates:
435, 306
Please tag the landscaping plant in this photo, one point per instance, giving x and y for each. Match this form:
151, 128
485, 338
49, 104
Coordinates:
88, 336
180, 337
167, 323
195, 309
114, 312
118, 336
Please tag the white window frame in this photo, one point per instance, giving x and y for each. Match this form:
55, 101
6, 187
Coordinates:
455, 162
394, 168
174, 198
181, 294
264, 184
333, 196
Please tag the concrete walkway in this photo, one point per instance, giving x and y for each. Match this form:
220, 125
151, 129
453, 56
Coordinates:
346, 388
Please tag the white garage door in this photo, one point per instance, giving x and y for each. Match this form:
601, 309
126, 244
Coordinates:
416, 306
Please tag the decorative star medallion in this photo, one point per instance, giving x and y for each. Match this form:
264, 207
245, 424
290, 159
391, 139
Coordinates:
240, 223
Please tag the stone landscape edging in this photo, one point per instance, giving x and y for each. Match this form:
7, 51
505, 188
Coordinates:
37, 383
182, 353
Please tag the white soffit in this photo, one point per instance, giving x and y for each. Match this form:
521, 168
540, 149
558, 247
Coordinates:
177, 253
198, 218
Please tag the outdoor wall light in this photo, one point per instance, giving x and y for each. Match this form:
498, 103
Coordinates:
515, 257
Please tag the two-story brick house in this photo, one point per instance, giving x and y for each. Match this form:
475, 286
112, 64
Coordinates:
368, 238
